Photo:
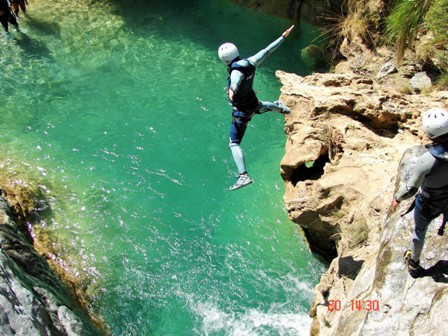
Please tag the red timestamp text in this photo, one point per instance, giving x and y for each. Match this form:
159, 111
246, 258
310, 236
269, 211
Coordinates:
355, 305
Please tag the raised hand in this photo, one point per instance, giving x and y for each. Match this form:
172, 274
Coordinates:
287, 31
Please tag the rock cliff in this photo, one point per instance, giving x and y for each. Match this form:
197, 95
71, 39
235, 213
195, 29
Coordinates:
33, 300
345, 137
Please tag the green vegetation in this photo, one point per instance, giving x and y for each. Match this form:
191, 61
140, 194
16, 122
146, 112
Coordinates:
404, 21
410, 19
358, 232
353, 22
437, 23
436, 20
442, 82
417, 25
357, 22
313, 57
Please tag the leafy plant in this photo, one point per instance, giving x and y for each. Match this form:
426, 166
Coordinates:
436, 20
356, 25
442, 81
354, 21
358, 232
351, 22
404, 21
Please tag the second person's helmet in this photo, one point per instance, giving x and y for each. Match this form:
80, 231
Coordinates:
435, 122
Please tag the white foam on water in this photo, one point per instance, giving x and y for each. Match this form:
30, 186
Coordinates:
251, 322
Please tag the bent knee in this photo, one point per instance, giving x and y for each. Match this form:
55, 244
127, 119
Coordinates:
234, 143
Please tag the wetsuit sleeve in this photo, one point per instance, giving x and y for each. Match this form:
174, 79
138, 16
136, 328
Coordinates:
236, 78
264, 53
422, 167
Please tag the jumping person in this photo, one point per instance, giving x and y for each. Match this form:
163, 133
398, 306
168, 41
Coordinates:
7, 16
430, 178
245, 103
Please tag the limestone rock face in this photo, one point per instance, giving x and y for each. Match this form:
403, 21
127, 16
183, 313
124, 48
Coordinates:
345, 137
342, 152
33, 300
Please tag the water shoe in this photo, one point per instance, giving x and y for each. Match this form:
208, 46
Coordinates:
243, 180
284, 109
414, 268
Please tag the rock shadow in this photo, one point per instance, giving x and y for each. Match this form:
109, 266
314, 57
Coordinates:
349, 267
439, 272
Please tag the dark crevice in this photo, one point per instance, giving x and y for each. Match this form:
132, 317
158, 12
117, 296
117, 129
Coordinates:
313, 172
324, 252
383, 129
349, 267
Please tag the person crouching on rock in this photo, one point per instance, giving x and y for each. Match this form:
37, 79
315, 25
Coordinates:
17, 5
7, 16
429, 177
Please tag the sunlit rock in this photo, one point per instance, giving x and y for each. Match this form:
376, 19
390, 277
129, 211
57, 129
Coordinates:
346, 135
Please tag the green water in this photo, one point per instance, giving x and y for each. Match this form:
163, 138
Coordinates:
118, 107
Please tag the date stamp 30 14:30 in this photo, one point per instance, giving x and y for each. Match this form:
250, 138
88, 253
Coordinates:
355, 305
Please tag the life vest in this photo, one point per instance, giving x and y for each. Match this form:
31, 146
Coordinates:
245, 98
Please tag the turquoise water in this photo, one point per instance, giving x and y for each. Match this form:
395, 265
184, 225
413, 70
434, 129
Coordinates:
118, 107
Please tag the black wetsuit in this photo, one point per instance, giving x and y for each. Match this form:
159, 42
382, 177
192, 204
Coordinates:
6, 16
430, 174
16, 4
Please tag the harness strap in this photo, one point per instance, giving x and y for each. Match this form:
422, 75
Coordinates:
410, 208
441, 229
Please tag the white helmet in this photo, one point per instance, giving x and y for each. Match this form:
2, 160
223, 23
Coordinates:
435, 122
227, 52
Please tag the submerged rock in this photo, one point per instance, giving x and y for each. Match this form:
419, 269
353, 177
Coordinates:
313, 57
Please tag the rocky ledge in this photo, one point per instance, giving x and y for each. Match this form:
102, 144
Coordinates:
33, 298
345, 137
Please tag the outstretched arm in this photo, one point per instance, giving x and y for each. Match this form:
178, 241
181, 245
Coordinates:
264, 53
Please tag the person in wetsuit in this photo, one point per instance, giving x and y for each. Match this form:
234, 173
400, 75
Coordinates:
7, 16
429, 178
243, 99
17, 5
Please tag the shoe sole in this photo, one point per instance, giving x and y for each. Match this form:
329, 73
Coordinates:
240, 186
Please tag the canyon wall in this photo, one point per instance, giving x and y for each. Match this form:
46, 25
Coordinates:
345, 137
